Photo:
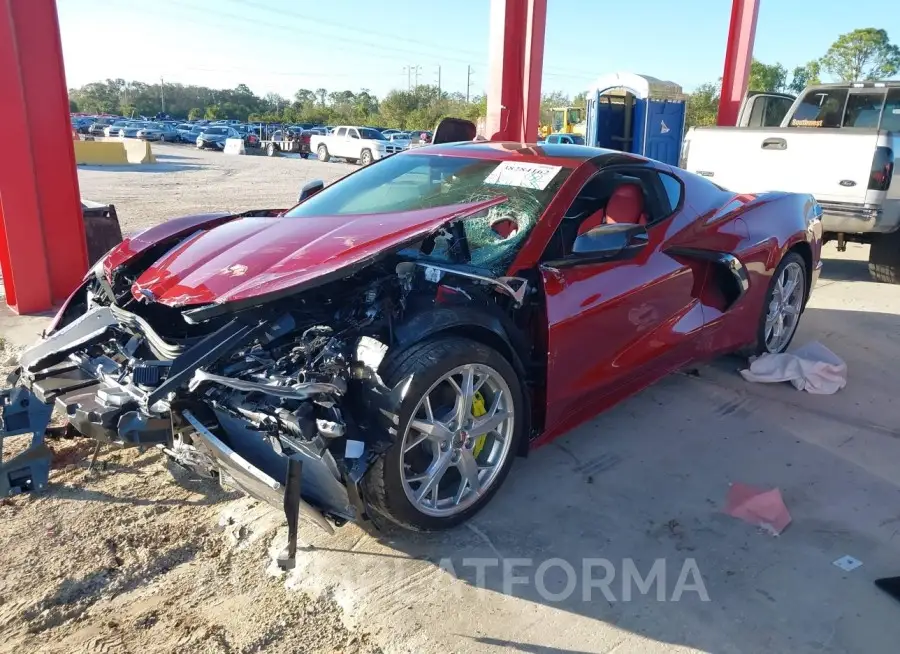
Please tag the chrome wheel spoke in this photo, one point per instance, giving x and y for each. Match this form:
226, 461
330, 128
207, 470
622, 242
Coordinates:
465, 395
493, 419
468, 470
433, 478
428, 430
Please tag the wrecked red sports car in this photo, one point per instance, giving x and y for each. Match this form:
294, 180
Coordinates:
390, 344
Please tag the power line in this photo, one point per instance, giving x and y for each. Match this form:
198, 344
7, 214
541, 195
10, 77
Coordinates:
378, 46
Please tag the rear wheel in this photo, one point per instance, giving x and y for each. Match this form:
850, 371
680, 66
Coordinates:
884, 258
271, 150
782, 307
460, 424
322, 153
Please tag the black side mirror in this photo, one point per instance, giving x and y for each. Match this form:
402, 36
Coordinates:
608, 242
310, 189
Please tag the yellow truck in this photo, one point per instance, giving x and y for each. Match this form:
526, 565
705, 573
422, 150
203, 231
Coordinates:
564, 120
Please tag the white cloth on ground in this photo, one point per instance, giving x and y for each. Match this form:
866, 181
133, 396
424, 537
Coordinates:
812, 368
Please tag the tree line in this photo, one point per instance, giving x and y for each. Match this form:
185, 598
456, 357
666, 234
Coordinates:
863, 54
419, 108
858, 55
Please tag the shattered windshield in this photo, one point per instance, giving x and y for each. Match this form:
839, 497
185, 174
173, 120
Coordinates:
412, 182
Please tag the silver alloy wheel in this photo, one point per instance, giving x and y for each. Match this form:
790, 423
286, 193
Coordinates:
784, 308
450, 457
322, 152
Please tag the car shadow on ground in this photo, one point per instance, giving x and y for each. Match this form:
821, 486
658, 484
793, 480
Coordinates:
638, 493
845, 270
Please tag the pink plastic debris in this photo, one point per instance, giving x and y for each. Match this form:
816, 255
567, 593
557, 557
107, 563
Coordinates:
763, 508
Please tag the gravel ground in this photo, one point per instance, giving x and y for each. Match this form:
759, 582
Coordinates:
185, 181
123, 559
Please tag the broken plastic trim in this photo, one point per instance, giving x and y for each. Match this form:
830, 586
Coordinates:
248, 477
296, 392
503, 283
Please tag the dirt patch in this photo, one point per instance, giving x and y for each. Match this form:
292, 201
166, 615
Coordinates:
127, 559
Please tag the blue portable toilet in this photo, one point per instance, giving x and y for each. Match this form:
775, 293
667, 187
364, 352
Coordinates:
638, 114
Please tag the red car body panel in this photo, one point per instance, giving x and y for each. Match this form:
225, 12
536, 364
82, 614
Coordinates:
256, 256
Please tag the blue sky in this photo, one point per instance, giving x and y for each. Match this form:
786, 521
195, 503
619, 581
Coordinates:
283, 45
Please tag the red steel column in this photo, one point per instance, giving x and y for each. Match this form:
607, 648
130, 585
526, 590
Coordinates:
43, 254
738, 56
516, 62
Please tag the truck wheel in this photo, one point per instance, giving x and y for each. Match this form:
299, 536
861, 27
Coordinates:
322, 153
884, 258
365, 157
459, 426
271, 150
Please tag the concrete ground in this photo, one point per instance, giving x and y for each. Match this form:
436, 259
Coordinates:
645, 481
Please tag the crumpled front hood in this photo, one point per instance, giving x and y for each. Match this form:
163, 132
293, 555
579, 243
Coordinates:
254, 257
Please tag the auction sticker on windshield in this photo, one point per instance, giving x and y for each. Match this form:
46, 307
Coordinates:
523, 175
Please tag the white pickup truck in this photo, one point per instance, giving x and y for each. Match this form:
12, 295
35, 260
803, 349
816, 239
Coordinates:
837, 142
360, 144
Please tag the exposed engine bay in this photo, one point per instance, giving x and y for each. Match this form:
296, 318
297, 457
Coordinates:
282, 400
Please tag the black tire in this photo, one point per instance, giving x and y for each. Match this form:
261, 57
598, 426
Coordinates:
271, 150
760, 346
162, 138
884, 258
427, 362
365, 157
322, 153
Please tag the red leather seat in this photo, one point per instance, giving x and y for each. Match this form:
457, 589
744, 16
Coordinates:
626, 205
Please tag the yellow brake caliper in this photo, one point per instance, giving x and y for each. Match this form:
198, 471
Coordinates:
478, 410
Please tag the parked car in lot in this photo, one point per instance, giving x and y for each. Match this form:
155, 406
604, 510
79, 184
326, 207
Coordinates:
360, 144
389, 345
158, 132
214, 136
399, 138
115, 128
838, 142
99, 126
571, 139
130, 131
191, 135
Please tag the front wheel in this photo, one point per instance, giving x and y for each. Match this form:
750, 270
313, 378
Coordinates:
884, 258
783, 306
460, 424
365, 157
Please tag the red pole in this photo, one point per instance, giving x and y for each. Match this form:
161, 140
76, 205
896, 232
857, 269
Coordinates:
43, 254
738, 57
516, 61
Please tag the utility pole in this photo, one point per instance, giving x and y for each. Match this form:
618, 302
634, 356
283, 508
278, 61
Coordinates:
439, 81
162, 95
416, 71
408, 71
468, 82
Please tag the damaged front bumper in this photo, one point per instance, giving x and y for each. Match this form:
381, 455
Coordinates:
107, 401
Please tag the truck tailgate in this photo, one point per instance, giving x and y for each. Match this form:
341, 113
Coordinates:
833, 165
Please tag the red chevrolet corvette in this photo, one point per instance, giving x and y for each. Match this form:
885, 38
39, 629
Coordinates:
390, 344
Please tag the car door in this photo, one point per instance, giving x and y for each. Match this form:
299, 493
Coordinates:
615, 326
337, 144
353, 146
